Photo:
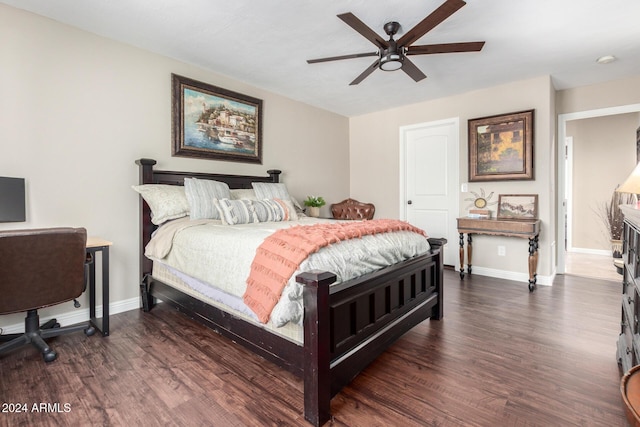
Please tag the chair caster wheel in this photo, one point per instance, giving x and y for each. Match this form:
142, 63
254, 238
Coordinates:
90, 331
49, 356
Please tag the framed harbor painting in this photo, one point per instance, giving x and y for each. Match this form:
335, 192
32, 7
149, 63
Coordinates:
215, 123
501, 147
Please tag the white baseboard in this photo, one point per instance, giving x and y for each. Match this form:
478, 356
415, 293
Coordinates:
511, 275
605, 252
79, 315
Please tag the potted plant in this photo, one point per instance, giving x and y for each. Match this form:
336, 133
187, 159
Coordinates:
314, 204
613, 218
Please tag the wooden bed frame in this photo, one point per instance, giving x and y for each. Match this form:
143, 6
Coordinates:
346, 326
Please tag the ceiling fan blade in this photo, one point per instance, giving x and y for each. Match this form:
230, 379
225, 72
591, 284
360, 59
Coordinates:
351, 20
429, 49
365, 73
337, 58
447, 9
412, 71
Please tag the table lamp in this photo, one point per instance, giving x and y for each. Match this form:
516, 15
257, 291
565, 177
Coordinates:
631, 184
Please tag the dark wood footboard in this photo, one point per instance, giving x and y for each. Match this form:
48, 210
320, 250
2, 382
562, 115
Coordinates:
346, 326
349, 325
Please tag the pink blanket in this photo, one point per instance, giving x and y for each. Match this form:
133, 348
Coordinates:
280, 255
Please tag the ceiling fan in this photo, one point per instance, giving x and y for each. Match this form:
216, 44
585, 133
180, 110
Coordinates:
392, 54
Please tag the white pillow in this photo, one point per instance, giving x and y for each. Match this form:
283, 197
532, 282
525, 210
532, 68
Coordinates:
200, 194
243, 193
166, 201
275, 190
270, 190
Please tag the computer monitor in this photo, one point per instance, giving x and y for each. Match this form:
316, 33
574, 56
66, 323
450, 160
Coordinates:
12, 200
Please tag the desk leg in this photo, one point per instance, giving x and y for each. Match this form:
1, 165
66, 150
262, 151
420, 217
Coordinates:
461, 256
92, 285
105, 291
102, 324
533, 262
469, 253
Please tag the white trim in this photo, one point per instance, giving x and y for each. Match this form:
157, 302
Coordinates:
561, 175
568, 188
591, 251
78, 316
510, 275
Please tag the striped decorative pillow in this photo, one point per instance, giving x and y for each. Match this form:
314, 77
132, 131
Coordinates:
245, 211
234, 212
200, 194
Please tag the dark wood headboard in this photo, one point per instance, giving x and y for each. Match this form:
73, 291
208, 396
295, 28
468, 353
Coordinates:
149, 175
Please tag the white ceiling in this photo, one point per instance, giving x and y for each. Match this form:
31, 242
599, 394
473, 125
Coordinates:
266, 43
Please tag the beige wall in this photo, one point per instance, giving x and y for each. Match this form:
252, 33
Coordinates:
605, 95
78, 109
604, 153
374, 147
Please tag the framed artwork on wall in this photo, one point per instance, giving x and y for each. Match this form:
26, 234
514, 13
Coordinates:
501, 147
215, 123
518, 206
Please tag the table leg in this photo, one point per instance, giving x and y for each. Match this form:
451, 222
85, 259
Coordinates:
461, 255
469, 252
533, 262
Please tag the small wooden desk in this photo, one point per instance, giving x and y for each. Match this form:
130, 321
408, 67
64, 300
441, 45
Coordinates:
528, 229
95, 245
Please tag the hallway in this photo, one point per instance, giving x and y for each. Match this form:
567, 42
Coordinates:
593, 266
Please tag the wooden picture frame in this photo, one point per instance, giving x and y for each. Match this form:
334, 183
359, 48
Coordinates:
215, 123
501, 147
518, 206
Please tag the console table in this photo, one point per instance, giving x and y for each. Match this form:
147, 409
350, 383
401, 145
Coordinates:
528, 229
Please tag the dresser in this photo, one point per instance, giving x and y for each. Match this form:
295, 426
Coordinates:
628, 351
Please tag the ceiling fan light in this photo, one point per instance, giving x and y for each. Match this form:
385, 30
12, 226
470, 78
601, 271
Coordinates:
391, 62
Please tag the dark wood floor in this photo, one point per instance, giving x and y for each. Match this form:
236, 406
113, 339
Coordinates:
500, 357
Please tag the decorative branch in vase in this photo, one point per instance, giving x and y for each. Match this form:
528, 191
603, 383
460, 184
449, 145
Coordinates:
314, 204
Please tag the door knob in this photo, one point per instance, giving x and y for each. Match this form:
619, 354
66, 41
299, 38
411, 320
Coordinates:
409, 202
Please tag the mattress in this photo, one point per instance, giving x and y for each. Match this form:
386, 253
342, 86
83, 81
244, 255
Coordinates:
204, 292
220, 256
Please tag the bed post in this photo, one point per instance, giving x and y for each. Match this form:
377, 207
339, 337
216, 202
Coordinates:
274, 174
437, 244
146, 228
317, 357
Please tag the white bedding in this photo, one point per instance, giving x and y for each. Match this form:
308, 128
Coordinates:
221, 255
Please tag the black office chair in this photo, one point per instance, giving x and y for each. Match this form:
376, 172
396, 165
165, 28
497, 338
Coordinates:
40, 268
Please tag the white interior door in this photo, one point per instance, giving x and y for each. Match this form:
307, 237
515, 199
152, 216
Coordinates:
429, 180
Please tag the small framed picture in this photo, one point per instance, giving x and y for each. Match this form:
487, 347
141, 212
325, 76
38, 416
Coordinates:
518, 206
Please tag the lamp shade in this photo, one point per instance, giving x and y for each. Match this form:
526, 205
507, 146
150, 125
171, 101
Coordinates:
632, 183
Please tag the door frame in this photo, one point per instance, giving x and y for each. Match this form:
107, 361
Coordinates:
561, 173
455, 175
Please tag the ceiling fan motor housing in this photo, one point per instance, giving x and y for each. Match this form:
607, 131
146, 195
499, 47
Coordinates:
391, 58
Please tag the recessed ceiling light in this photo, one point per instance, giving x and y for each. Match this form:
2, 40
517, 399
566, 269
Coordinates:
606, 59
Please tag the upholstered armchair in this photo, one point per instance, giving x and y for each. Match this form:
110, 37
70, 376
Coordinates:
40, 268
352, 209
